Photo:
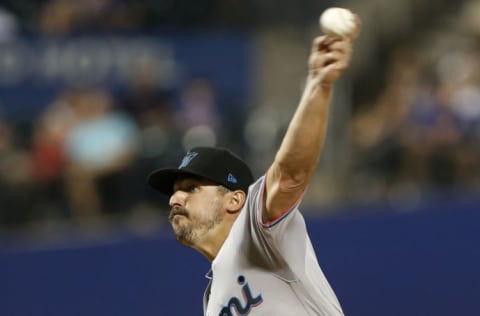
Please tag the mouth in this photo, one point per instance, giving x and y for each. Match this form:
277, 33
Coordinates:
175, 212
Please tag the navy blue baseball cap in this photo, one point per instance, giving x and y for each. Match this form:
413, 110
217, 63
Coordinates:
216, 164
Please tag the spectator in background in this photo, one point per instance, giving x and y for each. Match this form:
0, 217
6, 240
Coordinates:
60, 17
198, 115
430, 138
100, 150
151, 105
464, 94
8, 25
48, 155
436, 135
57, 17
376, 130
15, 180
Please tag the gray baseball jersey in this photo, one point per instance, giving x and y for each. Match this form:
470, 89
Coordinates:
268, 268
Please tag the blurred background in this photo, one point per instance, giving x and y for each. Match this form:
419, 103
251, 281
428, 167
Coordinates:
94, 95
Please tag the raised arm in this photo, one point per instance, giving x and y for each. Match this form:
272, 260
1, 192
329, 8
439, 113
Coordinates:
299, 152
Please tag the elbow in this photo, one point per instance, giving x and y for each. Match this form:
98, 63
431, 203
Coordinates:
293, 183
292, 180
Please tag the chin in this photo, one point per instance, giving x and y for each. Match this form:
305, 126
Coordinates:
183, 236
184, 241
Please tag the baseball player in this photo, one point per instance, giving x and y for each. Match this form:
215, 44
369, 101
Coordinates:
262, 260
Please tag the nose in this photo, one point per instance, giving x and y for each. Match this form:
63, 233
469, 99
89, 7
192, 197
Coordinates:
177, 199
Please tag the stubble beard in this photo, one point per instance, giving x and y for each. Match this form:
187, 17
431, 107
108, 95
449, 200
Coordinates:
189, 232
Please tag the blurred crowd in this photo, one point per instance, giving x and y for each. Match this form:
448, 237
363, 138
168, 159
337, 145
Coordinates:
86, 155
420, 136
60, 17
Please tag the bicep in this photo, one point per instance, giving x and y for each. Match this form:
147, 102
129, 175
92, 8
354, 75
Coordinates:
282, 192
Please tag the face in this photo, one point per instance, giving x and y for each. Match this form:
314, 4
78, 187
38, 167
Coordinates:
196, 209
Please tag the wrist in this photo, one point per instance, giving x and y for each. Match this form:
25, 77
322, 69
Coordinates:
315, 80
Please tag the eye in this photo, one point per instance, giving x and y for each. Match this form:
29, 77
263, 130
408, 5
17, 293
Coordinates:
191, 188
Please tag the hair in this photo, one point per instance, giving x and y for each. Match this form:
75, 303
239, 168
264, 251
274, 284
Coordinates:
223, 190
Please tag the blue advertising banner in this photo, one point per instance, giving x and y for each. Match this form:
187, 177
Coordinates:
33, 69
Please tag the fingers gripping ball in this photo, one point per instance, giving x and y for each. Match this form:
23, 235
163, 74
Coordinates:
337, 22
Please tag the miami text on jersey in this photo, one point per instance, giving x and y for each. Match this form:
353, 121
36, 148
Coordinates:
236, 304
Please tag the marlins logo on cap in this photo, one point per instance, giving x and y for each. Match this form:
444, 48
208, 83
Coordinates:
186, 160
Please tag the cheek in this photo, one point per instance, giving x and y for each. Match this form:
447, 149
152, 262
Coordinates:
205, 214
202, 216
207, 211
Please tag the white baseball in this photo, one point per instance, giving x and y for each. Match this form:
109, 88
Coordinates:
337, 22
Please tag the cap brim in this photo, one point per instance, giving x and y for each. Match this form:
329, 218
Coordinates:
162, 180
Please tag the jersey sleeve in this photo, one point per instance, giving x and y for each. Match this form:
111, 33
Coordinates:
279, 245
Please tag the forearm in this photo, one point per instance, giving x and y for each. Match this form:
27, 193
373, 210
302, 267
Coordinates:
302, 144
300, 150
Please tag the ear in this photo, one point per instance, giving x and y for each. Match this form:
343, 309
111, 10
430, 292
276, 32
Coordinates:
235, 201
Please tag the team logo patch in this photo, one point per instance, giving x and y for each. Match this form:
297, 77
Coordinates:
235, 305
231, 178
187, 159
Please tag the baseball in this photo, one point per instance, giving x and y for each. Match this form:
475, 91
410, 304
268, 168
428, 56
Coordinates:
337, 22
